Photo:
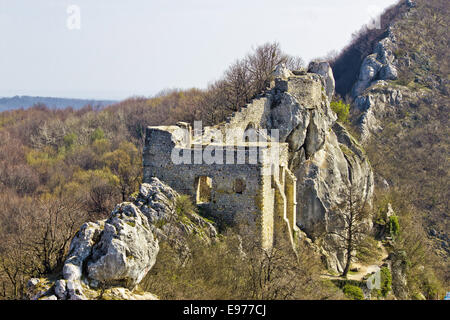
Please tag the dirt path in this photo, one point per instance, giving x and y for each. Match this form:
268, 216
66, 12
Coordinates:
362, 268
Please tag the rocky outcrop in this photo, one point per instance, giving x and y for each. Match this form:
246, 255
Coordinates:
377, 102
376, 70
44, 289
378, 66
157, 201
324, 157
119, 251
107, 259
323, 68
399, 267
374, 94
282, 71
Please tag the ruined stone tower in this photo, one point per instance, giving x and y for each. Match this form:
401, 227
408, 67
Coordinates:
233, 188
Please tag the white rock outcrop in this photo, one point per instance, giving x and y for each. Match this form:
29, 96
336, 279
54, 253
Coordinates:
323, 156
377, 102
378, 66
119, 251
323, 68
126, 249
156, 200
111, 257
282, 71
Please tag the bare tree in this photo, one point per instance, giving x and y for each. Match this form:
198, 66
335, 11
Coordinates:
294, 62
238, 84
53, 227
34, 237
354, 213
243, 80
263, 62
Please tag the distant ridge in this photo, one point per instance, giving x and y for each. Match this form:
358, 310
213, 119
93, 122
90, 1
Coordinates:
18, 102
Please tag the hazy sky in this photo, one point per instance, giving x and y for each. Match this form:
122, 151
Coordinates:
139, 47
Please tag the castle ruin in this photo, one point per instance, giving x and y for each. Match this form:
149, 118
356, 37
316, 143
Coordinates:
295, 188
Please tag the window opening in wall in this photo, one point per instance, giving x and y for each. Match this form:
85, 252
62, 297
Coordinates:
204, 189
239, 186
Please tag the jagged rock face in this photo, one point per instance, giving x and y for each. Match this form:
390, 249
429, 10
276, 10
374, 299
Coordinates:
378, 66
323, 68
371, 93
323, 156
156, 200
119, 251
116, 254
81, 248
126, 250
377, 102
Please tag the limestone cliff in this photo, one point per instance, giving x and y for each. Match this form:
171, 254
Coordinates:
371, 94
324, 157
377, 94
403, 120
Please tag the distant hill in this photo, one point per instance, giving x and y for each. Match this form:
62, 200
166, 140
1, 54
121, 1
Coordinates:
25, 102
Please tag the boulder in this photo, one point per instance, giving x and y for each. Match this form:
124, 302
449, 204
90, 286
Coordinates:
377, 66
60, 289
389, 72
384, 51
126, 249
81, 248
116, 254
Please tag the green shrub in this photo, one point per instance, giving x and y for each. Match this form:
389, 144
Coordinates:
386, 281
69, 140
342, 110
394, 226
98, 134
353, 292
184, 205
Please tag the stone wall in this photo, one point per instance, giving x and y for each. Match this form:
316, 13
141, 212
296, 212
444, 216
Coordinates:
241, 193
323, 158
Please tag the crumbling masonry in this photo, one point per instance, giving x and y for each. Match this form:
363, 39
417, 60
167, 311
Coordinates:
260, 195
316, 159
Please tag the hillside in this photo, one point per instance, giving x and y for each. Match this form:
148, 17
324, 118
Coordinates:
405, 123
71, 177
19, 102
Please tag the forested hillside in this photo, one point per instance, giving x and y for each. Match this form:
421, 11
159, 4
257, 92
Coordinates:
410, 153
60, 168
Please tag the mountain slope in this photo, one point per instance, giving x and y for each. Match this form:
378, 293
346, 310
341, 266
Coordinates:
404, 121
18, 102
